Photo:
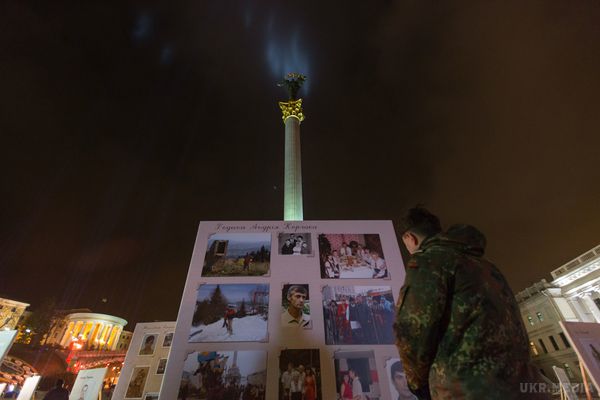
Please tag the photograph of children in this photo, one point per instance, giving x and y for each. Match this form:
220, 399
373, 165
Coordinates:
148, 344
300, 375
162, 365
356, 375
151, 396
295, 244
224, 375
238, 254
137, 383
347, 256
230, 313
397, 380
295, 309
168, 339
358, 314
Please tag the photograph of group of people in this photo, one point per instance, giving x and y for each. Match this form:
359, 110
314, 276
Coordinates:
351, 256
224, 375
135, 389
358, 314
237, 254
299, 374
295, 244
230, 313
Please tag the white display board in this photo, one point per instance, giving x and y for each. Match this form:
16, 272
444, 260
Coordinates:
29, 387
2, 387
585, 338
271, 306
145, 363
88, 384
6, 340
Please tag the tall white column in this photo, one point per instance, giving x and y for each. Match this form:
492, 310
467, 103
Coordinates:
591, 306
292, 196
581, 312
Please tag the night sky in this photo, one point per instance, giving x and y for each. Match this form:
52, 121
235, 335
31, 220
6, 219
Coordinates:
124, 124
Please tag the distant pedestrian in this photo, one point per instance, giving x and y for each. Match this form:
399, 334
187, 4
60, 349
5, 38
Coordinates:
247, 261
58, 392
459, 330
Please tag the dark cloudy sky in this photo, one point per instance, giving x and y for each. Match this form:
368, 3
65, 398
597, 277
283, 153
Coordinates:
123, 124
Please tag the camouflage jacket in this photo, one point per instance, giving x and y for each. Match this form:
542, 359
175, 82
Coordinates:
458, 327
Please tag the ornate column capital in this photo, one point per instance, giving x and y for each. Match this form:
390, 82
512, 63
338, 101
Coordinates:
291, 108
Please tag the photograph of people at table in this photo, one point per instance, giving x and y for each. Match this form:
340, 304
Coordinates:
347, 256
358, 314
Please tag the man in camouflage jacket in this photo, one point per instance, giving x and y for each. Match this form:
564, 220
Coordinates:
458, 327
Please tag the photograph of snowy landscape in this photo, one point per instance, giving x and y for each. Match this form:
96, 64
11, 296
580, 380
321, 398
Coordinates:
237, 254
230, 313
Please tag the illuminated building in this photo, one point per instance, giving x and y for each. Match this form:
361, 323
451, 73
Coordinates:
124, 341
10, 313
573, 295
86, 330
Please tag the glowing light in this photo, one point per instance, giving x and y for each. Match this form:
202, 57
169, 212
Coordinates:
287, 54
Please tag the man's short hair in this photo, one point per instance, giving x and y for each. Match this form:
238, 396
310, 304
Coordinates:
296, 289
59, 383
420, 221
396, 367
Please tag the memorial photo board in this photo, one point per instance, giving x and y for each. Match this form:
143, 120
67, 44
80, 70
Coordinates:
29, 388
271, 308
88, 384
146, 361
6, 340
585, 339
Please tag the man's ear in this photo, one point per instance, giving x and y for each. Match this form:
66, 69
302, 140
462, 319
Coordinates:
416, 240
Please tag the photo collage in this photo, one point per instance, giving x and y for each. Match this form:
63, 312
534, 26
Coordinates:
232, 309
146, 361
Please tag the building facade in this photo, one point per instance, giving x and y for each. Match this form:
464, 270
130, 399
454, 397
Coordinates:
86, 331
124, 341
572, 295
10, 313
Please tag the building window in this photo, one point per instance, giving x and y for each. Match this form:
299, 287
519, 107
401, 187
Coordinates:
534, 349
569, 371
597, 301
554, 344
530, 320
539, 315
543, 346
564, 339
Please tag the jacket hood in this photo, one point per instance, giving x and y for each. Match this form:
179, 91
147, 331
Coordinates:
468, 238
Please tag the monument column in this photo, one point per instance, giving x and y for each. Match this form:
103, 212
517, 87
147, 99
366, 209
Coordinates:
292, 116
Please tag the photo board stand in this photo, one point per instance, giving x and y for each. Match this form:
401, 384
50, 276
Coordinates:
6, 340
588, 394
267, 301
88, 384
585, 339
567, 392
